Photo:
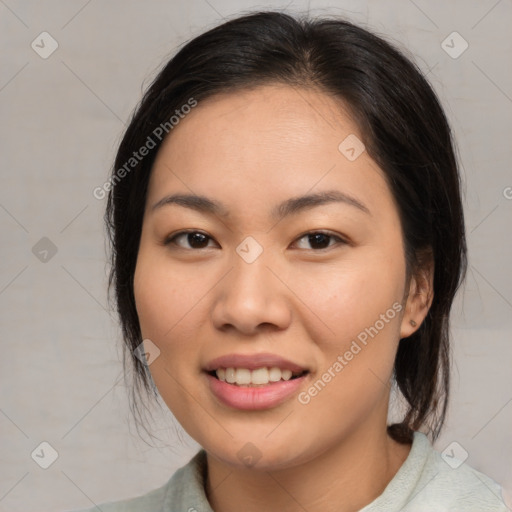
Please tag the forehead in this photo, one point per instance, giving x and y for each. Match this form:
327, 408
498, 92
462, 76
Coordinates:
268, 142
268, 116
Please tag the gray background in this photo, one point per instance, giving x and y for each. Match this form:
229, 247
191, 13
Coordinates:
61, 119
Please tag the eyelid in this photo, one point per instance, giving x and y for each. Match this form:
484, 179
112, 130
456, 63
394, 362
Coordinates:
339, 238
170, 239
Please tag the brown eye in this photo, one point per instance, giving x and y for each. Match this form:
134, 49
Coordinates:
319, 240
189, 240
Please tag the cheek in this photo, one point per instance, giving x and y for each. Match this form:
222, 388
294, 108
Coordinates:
151, 293
167, 303
344, 299
164, 296
356, 330
356, 339
172, 307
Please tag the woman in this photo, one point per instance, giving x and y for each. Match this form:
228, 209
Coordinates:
287, 239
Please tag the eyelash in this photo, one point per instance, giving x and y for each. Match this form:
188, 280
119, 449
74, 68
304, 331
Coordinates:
172, 239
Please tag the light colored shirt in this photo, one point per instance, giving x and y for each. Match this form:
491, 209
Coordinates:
424, 483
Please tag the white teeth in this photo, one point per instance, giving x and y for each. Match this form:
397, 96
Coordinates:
246, 377
259, 376
243, 376
230, 375
274, 374
287, 374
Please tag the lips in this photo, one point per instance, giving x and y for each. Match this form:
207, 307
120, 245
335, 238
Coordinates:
255, 398
253, 362
241, 392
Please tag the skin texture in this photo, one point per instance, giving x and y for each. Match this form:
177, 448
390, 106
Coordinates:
251, 150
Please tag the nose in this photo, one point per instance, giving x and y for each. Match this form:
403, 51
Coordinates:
251, 299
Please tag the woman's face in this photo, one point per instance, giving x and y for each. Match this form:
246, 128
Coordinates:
301, 258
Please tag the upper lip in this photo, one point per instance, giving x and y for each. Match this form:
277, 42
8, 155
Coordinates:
252, 362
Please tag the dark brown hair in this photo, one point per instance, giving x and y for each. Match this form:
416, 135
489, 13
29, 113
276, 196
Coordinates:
404, 129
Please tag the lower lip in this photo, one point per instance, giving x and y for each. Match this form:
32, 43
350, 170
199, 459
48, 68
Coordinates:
254, 398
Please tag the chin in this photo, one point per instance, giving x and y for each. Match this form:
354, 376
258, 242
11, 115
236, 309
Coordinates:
258, 455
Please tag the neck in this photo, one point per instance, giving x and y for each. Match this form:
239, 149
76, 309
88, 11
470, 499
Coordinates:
344, 478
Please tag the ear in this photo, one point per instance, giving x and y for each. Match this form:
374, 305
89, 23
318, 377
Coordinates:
420, 295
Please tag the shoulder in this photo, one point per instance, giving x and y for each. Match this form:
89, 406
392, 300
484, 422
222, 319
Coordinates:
431, 482
184, 491
458, 486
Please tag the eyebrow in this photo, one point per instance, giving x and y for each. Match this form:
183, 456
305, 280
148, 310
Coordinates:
291, 206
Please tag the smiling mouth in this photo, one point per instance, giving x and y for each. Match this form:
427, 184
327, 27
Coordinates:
259, 377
